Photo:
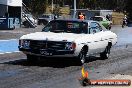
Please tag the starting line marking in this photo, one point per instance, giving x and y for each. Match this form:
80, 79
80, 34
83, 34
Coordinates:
10, 52
6, 51
9, 40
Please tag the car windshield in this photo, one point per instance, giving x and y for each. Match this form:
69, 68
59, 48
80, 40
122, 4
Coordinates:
46, 16
96, 18
66, 26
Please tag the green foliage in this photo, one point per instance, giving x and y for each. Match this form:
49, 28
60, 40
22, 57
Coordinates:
39, 6
56, 10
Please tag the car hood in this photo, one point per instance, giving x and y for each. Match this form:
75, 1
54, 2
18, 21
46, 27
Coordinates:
52, 36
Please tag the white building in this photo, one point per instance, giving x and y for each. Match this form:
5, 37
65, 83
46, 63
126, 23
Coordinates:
12, 8
13, 11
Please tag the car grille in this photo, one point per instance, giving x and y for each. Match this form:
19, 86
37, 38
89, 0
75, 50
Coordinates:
47, 45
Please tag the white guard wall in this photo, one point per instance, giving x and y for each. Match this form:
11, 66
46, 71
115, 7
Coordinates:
11, 2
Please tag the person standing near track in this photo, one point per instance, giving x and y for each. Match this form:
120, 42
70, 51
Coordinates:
81, 16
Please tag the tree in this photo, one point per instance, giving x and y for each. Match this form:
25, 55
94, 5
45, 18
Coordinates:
129, 8
37, 6
56, 10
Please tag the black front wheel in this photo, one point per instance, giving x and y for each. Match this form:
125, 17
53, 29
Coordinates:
123, 25
82, 57
109, 28
105, 54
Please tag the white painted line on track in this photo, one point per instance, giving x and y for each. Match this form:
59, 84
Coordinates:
10, 52
8, 40
16, 51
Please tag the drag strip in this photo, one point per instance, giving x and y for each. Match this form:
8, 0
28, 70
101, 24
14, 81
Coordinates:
17, 72
124, 36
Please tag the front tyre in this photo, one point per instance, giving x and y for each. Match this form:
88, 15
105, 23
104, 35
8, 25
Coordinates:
123, 25
105, 54
109, 28
82, 57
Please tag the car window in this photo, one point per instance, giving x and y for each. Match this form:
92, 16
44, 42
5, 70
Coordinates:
94, 28
77, 27
66, 26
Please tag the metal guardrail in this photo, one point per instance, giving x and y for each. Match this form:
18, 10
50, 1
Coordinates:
31, 23
25, 8
27, 11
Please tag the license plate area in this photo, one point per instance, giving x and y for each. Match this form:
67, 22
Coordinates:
46, 52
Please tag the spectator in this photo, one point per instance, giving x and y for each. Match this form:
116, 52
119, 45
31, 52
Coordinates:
125, 21
55, 17
108, 17
79, 13
84, 16
81, 16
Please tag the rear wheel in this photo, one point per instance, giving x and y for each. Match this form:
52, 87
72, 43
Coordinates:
123, 25
26, 24
105, 54
109, 27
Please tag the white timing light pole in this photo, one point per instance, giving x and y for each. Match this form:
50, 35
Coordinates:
75, 9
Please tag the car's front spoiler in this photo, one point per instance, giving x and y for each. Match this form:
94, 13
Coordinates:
64, 55
49, 53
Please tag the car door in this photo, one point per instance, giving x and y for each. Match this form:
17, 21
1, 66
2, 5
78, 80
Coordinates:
95, 30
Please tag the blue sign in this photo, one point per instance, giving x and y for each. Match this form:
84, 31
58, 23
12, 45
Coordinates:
9, 23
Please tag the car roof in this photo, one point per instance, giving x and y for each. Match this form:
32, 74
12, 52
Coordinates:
76, 20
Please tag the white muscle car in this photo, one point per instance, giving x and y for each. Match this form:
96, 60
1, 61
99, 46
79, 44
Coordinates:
70, 38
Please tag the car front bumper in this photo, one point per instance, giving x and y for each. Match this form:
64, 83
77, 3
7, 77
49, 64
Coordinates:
48, 52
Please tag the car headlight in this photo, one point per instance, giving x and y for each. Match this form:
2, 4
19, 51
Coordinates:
70, 46
24, 43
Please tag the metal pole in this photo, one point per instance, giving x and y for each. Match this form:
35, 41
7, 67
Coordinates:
52, 6
21, 17
75, 9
